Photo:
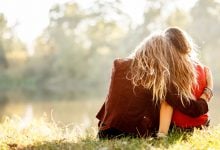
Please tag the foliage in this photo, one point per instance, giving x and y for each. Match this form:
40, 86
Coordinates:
74, 48
205, 22
75, 51
3, 61
12, 50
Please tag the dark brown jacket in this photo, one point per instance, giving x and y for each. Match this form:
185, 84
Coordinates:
132, 110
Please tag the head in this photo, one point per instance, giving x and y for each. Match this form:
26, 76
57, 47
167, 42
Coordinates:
150, 67
182, 42
182, 71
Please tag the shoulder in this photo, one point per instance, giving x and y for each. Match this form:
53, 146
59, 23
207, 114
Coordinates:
122, 62
199, 67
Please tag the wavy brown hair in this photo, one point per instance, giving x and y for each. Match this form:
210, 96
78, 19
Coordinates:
182, 71
150, 67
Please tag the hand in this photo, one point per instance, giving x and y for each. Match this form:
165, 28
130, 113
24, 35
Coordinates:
207, 93
203, 96
209, 78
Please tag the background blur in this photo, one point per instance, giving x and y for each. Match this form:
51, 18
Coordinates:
56, 56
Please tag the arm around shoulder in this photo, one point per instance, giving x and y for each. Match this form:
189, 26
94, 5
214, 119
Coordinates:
190, 107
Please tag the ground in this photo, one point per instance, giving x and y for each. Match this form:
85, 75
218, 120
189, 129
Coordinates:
45, 134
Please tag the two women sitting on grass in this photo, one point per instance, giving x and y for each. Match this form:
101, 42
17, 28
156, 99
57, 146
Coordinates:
161, 76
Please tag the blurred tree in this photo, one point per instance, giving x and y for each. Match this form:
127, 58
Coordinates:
12, 51
3, 30
178, 17
79, 43
205, 17
204, 27
17, 54
157, 15
74, 53
3, 61
75, 46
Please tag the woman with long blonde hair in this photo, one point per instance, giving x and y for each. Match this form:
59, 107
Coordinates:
138, 85
189, 76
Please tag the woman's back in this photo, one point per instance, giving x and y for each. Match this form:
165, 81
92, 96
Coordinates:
137, 87
184, 121
128, 108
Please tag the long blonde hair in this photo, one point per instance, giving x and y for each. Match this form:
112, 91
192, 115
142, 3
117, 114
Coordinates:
150, 67
162, 60
182, 71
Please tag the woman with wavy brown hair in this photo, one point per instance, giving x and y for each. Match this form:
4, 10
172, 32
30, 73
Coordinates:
187, 75
138, 85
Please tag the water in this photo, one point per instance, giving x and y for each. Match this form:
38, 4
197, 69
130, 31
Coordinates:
68, 111
62, 111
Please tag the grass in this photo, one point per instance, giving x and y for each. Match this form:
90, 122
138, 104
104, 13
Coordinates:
75, 128
15, 133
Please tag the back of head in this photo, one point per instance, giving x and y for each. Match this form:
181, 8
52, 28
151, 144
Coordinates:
182, 70
179, 39
150, 67
182, 42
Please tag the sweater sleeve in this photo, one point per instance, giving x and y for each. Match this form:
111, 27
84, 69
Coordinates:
193, 108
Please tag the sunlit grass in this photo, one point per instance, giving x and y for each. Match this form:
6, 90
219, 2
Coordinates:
14, 134
72, 125
44, 133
